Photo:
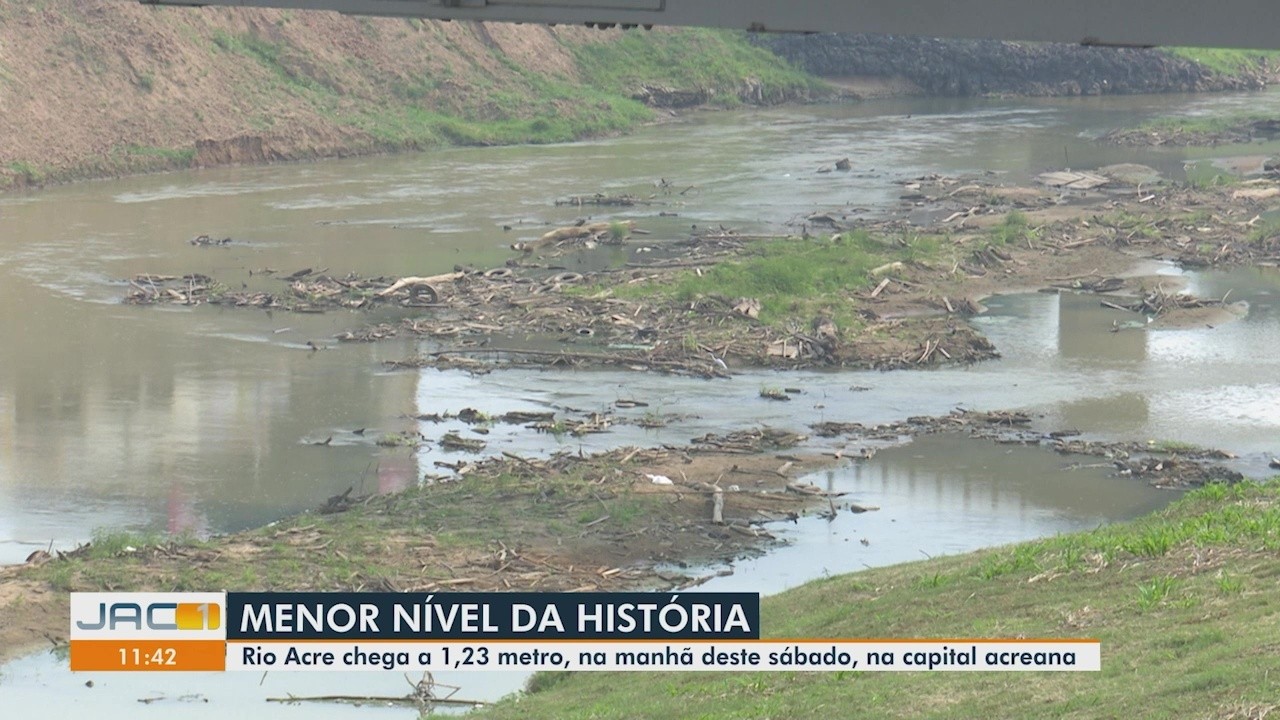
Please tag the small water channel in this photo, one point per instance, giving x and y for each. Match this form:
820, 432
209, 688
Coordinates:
203, 420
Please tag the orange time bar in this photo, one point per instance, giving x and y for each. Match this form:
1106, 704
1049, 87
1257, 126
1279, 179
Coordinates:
148, 655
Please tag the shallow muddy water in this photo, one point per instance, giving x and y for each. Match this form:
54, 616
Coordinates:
203, 420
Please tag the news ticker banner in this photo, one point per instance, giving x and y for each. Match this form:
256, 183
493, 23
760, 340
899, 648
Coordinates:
434, 632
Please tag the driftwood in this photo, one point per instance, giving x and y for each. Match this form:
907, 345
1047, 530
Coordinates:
405, 282
1092, 284
571, 232
341, 502
1073, 180
424, 696
1159, 301
603, 199
895, 265
748, 307
753, 532
408, 701
961, 214
697, 367
717, 507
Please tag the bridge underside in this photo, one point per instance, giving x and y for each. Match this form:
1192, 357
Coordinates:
1206, 23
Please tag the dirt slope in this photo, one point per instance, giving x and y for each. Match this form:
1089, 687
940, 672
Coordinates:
114, 83
89, 87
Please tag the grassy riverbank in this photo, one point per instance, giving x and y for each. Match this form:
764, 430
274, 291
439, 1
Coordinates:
1228, 61
1183, 602
710, 67
1231, 128
90, 93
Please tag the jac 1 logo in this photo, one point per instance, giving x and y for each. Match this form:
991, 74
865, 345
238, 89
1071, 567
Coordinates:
145, 615
156, 616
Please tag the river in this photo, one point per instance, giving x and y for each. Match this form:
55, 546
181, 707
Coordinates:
203, 420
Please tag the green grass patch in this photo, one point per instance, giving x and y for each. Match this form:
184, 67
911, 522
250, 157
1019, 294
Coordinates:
399, 439
409, 126
1207, 124
1226, 61
784, 277
1230, 584
120, 160
619, 230
1204, 176
32, 174
1151, 594
792, 278
1014, 229
1181, 635
690, 59
178, 157
801, 277
1197, 218
276, 57
1264, 231
107, 543
528, 107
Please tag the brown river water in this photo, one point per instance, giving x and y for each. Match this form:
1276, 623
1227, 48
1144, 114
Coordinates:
201, 420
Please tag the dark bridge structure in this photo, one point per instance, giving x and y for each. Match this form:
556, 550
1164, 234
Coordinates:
1132, 23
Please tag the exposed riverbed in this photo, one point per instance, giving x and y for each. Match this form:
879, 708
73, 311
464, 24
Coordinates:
204, 420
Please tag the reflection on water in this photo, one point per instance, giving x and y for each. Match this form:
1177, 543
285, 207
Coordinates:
942, 495
113, 422
1122, 414
1086, 334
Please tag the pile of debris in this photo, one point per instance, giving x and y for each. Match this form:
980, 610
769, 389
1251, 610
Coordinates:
306, 291
1245, 131
1176, 472
1091, 284
588, 234
1160, 301
603, 199
193, 289
977, 422
207, 241
748, 441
